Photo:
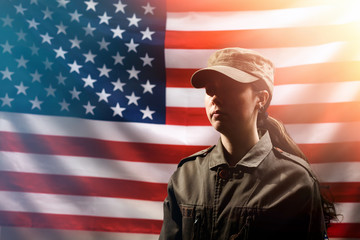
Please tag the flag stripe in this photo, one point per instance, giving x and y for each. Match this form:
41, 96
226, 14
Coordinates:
81, 186
346, 230
343, 192
73, 222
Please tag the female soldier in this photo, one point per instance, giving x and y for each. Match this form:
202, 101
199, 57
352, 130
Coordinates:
254, 183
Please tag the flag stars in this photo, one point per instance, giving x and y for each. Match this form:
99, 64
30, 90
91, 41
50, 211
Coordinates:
91, 5
147, 60
62, 3
134, 21
118, 59
133, 99
7, 74
75, 16
104, 19
60, 52
21, 35
7, 47
120, 7
118, 85
21, 89
133, 73
148, 87
36, 103
89, 81
33, 24
47, 14
64, 106
20, 9
74, 67
132, 46
48, 64
6, 101
61, 79
50, 91
104, 71
36, 76
21, 62
61, 28
103, 44
7, 21
34, 50
75, 42
118, 110
103, 96
75, 94
147, 34
147, 113
89, 57
89, 109
148, 9
46, 38
89, 30
117, 32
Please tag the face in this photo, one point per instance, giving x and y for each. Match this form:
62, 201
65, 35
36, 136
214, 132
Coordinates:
230, 105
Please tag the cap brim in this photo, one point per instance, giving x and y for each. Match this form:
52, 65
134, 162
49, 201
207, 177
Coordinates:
198, 79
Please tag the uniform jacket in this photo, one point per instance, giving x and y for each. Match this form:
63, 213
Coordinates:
269, 194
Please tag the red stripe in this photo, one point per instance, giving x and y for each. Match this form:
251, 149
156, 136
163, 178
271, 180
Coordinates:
314, 73
234, 5
76, 146
71, 222
345, 230
84, 186
342, 192
186, 116
275, 38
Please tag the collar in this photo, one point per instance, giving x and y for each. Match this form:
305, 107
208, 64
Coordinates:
252, 159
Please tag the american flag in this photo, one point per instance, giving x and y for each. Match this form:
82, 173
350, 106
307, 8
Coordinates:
96, 108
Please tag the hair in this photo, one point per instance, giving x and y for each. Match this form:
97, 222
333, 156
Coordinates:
280, 138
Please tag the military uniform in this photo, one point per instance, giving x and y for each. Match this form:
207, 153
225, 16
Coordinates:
268, 194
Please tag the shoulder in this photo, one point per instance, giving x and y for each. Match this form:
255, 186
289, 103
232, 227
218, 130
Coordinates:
196, 155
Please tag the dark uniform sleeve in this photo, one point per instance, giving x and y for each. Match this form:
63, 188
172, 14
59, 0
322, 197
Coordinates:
171, 228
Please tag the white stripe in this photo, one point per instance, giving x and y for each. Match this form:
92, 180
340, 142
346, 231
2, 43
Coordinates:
342, 12
80, 205
337, 172
335, 92
18, 233
324, 132
85, 166
115, 131
281, 57
349, 211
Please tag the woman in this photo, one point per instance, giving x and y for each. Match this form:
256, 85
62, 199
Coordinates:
254, 183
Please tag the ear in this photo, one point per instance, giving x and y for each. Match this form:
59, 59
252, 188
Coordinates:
263, 98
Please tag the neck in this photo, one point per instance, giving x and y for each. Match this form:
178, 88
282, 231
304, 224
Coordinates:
236, 145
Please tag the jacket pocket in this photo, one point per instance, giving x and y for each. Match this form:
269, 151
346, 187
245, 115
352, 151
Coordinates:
193, 222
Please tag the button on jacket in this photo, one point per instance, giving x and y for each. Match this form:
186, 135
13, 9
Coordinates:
268, 194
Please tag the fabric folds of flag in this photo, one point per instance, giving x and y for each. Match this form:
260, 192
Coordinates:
96, 108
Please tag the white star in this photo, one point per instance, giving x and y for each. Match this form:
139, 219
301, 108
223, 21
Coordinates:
120, 7
34, 2
61, 79
20, 9
117, 32
118, 110
60, 52
148, 9
89, 81
47, 13
36, 76
134, 21
36, 103
103, 96
33, 24
7, 47
62, 3
91, 5
104, 71
118, 85
50, 91
89, 30
89, 57
34, 50
6, 100
147, 34
61, 28
46, 38
148, 87
74, 67
75, 42
132, 46
147, 60
21, 35
75, 94
147, 113
118, 59
48, 64
104, 45
89, 108
7, 21
21, 88
21, 62
133, 99
104, 19
64, 105
7, 74
133, 73
75, 16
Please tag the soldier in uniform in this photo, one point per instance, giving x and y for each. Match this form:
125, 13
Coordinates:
255, 182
